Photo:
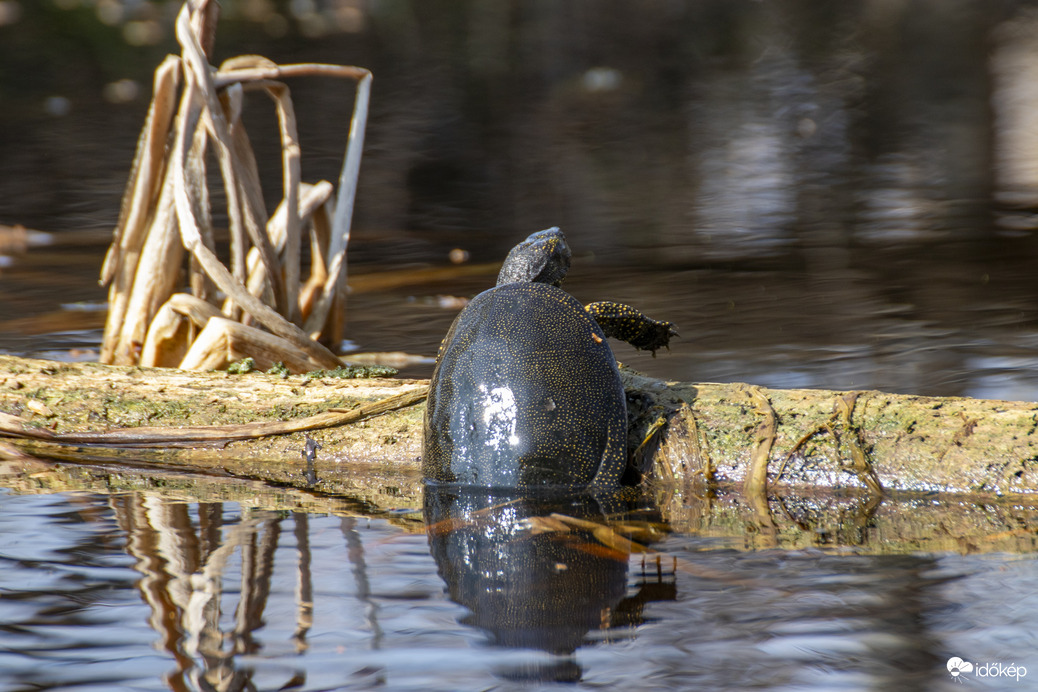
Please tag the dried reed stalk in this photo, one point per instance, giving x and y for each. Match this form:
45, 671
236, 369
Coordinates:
174, 328
197, 110
138, 205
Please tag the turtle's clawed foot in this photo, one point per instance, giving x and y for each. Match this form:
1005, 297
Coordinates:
629, 324
656, 335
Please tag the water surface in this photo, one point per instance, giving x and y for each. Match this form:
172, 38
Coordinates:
139, 591
837, 196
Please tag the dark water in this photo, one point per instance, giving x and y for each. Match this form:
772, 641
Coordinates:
137, 591
822, 195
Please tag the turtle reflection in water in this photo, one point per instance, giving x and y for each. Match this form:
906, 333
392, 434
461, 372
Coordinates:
539, 573
526, 393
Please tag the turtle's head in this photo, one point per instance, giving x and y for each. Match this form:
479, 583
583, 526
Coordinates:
542, 258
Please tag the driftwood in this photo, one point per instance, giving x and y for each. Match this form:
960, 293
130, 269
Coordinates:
702, 433
60, 405
245, 438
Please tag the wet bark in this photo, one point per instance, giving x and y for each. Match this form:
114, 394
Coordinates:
726, 433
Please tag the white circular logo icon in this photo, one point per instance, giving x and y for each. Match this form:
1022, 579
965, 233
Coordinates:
956, 666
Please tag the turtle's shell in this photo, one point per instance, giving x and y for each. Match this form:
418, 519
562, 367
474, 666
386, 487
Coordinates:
525, 394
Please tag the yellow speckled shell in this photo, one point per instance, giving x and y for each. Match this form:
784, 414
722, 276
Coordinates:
525, 394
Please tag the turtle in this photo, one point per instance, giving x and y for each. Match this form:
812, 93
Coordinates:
526, 392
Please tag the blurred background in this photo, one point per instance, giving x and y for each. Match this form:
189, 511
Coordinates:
837, 195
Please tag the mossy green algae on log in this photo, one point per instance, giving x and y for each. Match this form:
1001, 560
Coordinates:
910, 442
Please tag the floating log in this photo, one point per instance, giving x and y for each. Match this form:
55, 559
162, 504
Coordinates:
684, 433
956, 474
61, 410
864, 439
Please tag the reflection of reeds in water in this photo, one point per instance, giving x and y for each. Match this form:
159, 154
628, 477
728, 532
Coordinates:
355, 551
305, 584
183, 564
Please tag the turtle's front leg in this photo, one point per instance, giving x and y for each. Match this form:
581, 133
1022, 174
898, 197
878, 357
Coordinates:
629, 324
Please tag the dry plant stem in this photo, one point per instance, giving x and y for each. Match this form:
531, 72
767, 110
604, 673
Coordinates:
255, 210
257, 224
336, 286
334, 293
146, 176
224, 341
169, 335
146, 172
827, 426
197, 175
236, 74
756, 484
204, 14
320, 239
860, 463
199, 72
265, 315
191, 236
216, 126
152, 280
168, 187
291, 179
13, 426
312, 202
321, 226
